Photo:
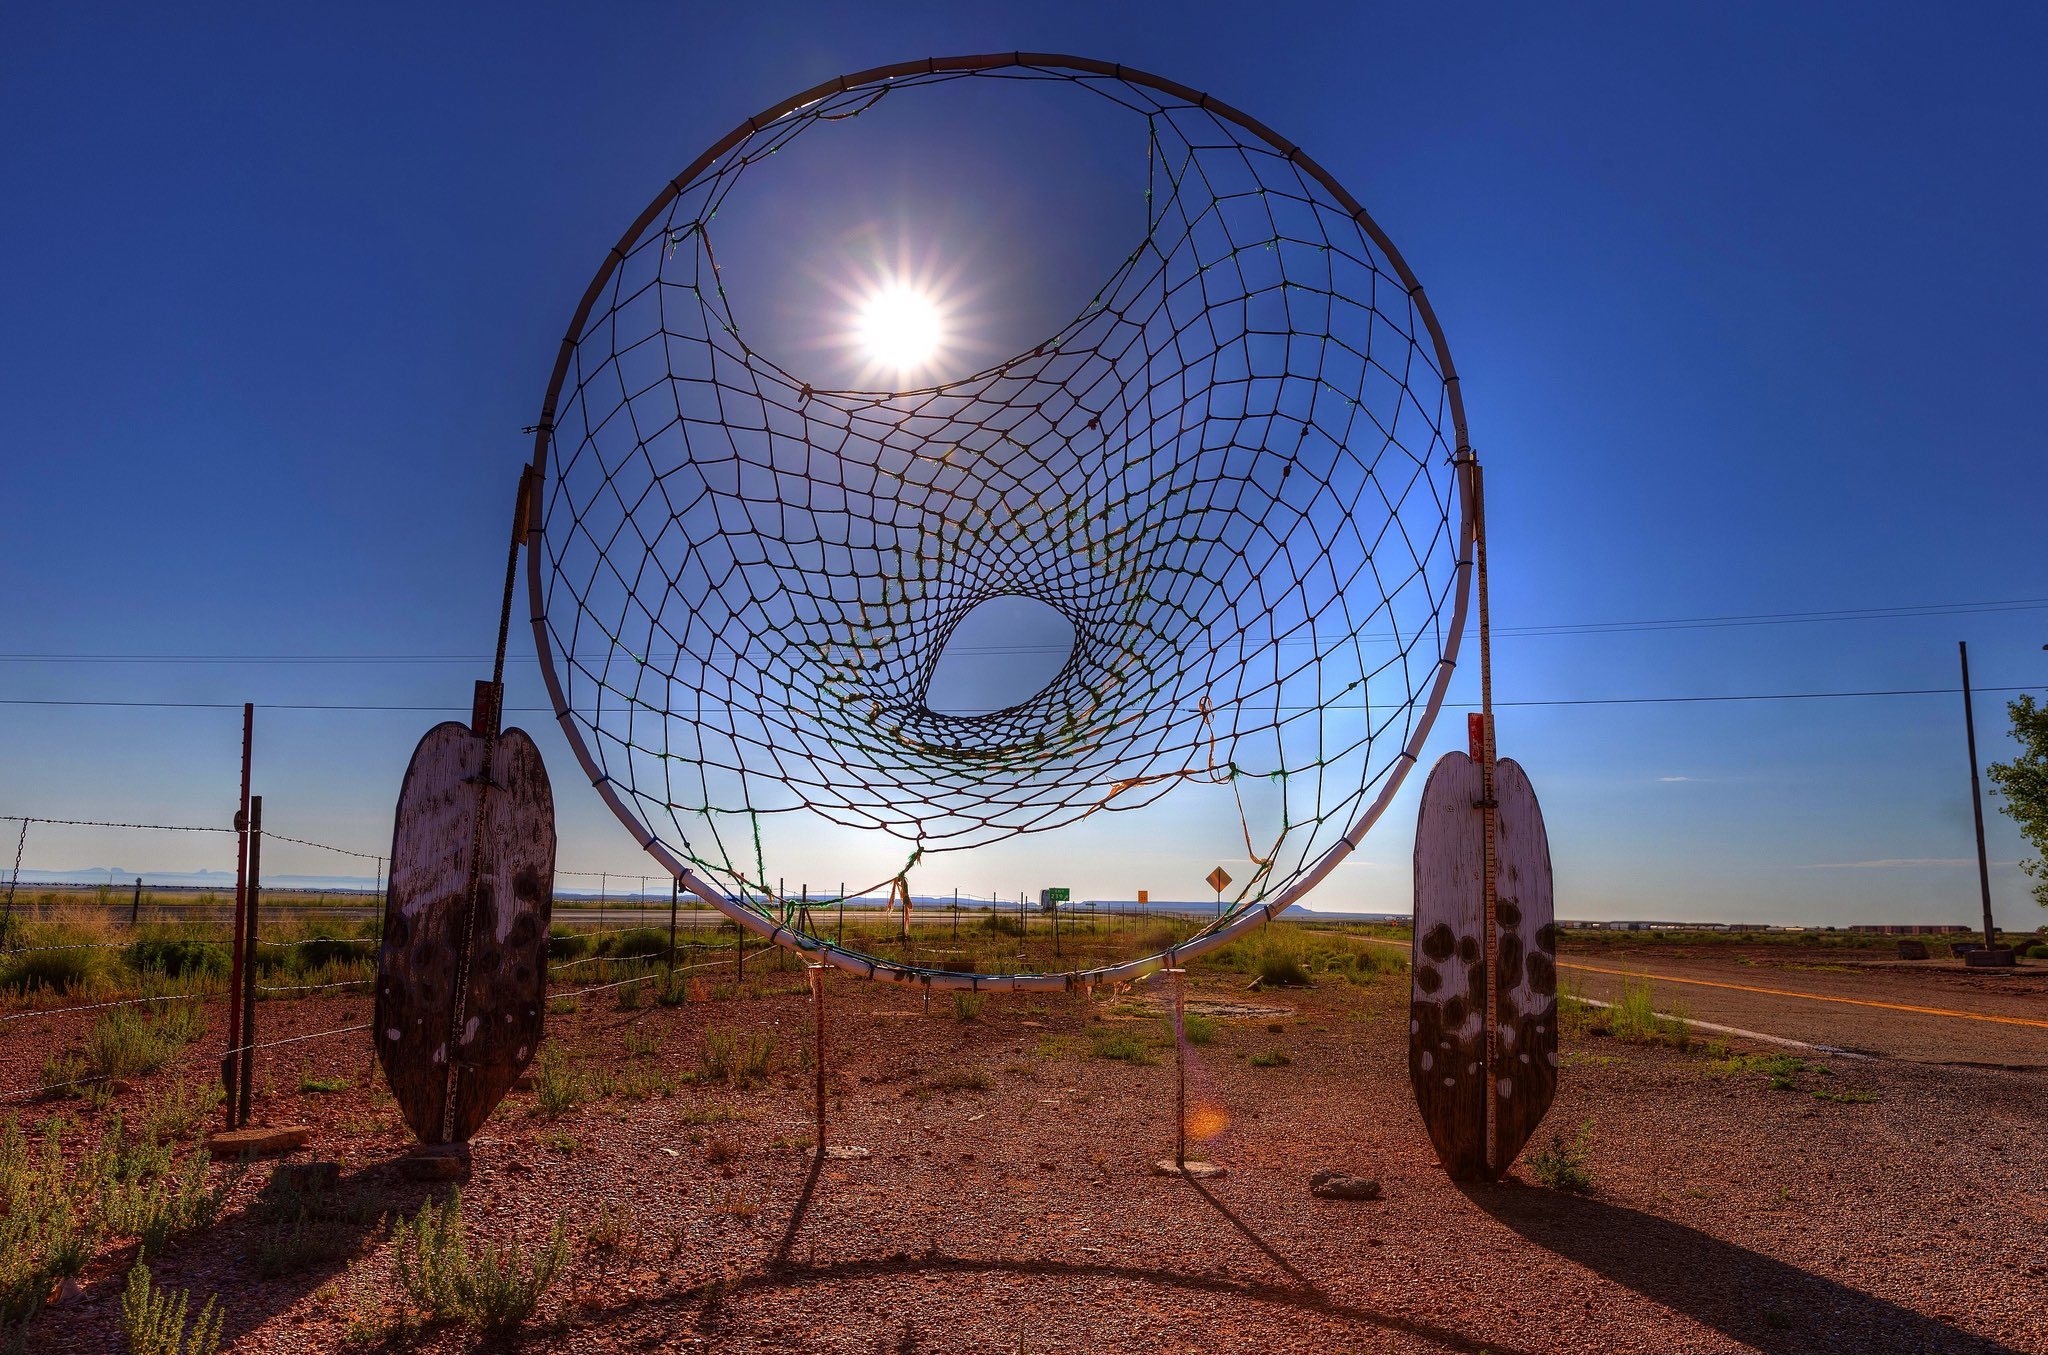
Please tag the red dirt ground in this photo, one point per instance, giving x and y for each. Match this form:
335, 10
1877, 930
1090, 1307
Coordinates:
1725, 1216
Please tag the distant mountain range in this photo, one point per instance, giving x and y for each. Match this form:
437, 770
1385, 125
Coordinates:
119, 878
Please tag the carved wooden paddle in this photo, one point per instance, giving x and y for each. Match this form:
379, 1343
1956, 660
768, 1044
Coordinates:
462, 972
1464, 1103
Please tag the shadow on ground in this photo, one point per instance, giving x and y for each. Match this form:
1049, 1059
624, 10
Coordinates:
1742, 1294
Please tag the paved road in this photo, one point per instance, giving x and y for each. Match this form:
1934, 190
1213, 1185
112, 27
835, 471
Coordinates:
1931, 1012
1932, 1015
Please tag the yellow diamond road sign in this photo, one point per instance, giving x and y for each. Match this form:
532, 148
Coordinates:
1218, 878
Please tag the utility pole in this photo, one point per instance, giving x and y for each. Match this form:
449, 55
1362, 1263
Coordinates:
1977, 799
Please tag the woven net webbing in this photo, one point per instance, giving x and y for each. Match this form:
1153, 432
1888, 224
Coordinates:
1230, 472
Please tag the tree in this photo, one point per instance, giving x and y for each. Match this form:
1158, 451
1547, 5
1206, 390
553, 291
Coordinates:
2023, 786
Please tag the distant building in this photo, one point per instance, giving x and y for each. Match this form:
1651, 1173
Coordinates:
1910, 928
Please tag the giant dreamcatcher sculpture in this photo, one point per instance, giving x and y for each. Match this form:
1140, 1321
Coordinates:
1239, 472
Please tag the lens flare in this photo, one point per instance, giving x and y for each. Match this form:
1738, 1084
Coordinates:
899, 328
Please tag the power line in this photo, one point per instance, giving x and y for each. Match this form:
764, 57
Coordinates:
1712, 622
548, 710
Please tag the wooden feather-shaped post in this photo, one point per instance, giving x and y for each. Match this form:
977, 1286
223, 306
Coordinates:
1482, 1041
462, 970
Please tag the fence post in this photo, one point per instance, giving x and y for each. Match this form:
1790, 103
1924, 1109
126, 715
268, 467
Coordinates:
675, 897
231, 1061
135, 906
7, 918
249, 957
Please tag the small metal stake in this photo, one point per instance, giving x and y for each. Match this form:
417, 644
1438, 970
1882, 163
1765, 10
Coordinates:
1180, 1072
816, 973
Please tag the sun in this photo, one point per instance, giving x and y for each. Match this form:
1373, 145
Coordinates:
899, 327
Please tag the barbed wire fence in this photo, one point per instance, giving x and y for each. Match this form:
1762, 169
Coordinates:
28, 983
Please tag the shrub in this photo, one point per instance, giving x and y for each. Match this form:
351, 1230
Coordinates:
63, 1074
54, 971
638, 943
1576, 1017
177, 957
1198, 1028
1780, 1070
298, 1228
182, 1107
488, 1289
555, 1084
1848, 1096
729, 1055
1120, 1042
1279, 963
322, 1085
967, 1005
322, 951
1562, 1165
145, 1193
736, 1202
154, 1320
123, 1043
1271, 1058
565, 944
1632, 1018
43, 1235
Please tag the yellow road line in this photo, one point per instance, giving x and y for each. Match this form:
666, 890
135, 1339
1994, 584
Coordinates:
1784, 992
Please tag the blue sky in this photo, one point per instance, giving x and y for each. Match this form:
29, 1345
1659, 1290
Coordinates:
1748, 302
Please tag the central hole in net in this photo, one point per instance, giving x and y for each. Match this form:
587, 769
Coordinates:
1004, 652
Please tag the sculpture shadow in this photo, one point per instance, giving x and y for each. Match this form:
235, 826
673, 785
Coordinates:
779, 1273
793, 1278
1747, 1296
334, 1226
1245, 1230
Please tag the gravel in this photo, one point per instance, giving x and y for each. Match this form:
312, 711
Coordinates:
1007, 1201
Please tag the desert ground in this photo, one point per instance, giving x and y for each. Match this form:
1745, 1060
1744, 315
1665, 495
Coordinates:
1869, 1179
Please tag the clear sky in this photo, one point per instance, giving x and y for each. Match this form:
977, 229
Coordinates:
1748, 300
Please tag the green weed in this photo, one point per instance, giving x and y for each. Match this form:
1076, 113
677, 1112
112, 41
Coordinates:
155, 1322
556, 1088
487, 1289
1562, 1164
1120, 1042
1848, 1096
729, 1055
